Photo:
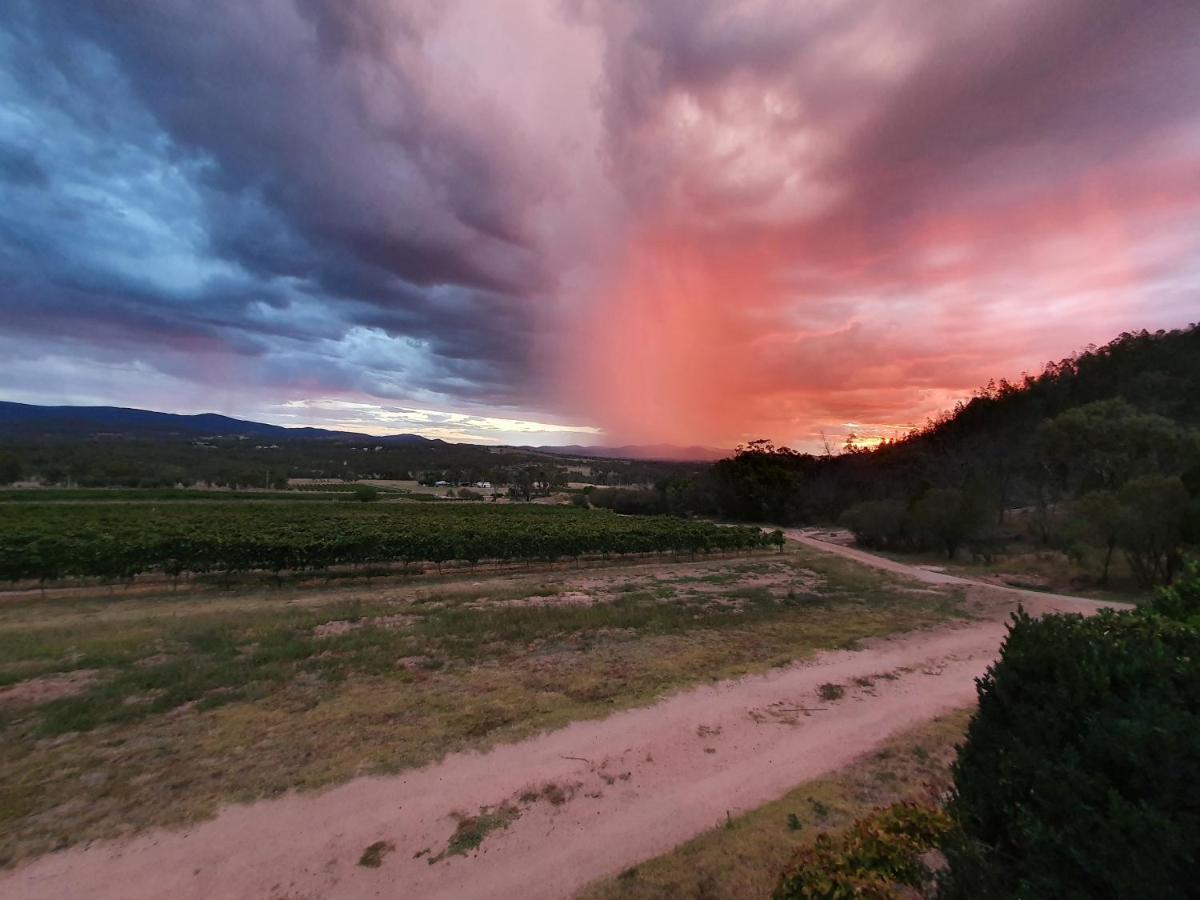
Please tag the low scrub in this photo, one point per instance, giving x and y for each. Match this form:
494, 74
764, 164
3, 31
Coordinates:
876, 858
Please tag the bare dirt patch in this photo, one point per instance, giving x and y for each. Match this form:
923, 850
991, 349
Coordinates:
778, 582
346, 626
47, 688
566, 598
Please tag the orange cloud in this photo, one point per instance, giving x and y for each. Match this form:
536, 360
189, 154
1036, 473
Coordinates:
664, 352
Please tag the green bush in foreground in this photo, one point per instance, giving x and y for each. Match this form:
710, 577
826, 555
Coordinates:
1080, 774
875, 859
1180, 601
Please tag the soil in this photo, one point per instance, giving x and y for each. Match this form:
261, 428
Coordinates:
345, 626
36, 691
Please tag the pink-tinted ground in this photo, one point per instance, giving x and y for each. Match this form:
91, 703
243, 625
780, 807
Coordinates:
628, 787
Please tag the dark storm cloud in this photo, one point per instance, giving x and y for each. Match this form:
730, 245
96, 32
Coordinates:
318, 170
19, 167
342, 141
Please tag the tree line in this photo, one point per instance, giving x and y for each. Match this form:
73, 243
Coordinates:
185, 461
1097, 454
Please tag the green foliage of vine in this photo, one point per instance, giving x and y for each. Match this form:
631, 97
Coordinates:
46, 542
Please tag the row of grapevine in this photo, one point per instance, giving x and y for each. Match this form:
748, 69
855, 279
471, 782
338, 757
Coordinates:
118, 541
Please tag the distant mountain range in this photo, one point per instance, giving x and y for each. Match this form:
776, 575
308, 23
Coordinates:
29, 422
26, 420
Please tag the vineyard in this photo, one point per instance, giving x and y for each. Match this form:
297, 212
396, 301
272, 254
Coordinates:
46, 542
329, 492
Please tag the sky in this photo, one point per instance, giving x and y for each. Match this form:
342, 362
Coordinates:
573, 221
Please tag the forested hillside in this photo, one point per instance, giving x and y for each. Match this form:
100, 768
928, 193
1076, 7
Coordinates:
1100, 451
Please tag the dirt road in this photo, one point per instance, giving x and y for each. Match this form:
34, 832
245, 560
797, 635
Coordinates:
625, 788
1037, 599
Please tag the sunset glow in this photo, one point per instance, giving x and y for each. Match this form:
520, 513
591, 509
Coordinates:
569, 222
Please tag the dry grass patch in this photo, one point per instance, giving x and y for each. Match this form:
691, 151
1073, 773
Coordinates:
470, 831
830, 692
372, 857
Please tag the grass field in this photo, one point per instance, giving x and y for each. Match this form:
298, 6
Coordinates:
121, 713
741, 859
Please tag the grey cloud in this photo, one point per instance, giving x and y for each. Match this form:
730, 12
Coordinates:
20, 168
402, 215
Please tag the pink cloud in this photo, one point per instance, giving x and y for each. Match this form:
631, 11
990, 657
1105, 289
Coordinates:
860, 213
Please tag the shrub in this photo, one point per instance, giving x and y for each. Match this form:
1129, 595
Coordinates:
1097, 518
948, 518
1154, 512
1080, 774
629, 501
11, 468
881, 524
829, 692
873, 859
1180, 601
